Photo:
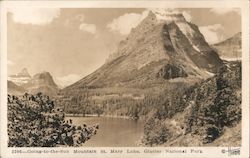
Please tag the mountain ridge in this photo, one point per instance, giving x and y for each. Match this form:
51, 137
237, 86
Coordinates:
230, 49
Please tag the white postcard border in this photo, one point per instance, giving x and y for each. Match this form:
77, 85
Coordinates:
216, 152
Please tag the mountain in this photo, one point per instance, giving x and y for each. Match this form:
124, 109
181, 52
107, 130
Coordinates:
162, 54
20, 78
42, 82
160, 44
15, 89
230, 49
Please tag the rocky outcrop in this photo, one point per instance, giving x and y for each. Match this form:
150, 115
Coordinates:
171, 71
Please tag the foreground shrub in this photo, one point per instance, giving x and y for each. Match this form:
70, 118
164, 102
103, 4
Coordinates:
33, 121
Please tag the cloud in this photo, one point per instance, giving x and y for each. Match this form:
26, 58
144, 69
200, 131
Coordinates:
74, 20
90, 28
126, 22
35, 16
68, 80
222, 11
212, 33
123, 24
78, 21
10, 63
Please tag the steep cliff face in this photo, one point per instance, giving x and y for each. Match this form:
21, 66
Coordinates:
157, 41
230, 49
172, 71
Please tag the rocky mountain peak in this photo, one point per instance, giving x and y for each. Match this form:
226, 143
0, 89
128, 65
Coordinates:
42, 82
168, 16
43, 74
156, 17
20, 78
151, 15
153, 23
44, 78
23, 73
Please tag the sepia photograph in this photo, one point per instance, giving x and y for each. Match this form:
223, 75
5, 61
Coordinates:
124, 77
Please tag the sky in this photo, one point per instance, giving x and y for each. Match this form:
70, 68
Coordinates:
70, 43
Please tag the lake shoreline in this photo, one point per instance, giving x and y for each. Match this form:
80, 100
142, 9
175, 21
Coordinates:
95, 115
112, 131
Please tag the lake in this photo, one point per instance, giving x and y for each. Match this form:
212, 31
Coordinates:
112, 132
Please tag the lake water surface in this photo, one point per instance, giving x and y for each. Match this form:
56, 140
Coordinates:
112, 132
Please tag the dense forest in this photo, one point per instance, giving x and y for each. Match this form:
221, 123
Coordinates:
137, 104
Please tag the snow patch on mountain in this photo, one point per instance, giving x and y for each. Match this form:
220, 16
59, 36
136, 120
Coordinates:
20, 78
196, 48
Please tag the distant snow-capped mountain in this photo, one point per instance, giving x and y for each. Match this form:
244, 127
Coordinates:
40, 82
20, 78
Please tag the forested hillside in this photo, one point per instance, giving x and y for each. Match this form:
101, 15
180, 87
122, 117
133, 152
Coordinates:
207, 109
